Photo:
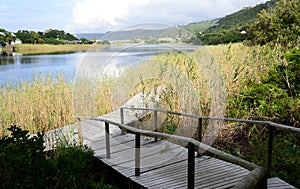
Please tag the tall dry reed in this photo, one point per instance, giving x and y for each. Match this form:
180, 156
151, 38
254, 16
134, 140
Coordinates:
47, 102
40, 105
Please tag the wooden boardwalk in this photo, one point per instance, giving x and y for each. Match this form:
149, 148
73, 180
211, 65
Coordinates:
163, 164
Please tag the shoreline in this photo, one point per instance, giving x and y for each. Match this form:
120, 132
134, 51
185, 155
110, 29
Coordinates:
36, 49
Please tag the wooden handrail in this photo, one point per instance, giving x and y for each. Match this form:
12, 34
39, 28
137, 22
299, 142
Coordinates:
287, 127
269, 124
192, 143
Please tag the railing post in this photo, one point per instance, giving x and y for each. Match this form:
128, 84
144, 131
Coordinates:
79, 132
122, 120
199, 134
137, 154
107, 140
270, 148
155, 125
191, 166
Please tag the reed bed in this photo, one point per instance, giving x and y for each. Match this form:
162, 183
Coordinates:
41, 105
45, 103
47, 48
203, 78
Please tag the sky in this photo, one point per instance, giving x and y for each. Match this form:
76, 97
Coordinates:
90, 16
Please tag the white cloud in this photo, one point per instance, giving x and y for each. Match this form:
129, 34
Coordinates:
104, 15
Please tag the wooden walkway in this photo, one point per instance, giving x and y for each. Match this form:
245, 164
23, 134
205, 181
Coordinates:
163, 163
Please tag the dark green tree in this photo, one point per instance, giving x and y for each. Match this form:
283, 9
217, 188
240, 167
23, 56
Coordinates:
6, 37
58, 35
29, 37
86, 41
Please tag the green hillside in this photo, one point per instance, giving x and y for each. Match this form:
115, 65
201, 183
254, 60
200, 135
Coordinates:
199, 26
228, 29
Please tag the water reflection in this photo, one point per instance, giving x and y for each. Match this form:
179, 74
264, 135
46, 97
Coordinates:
6, 52
21, 67
4, 60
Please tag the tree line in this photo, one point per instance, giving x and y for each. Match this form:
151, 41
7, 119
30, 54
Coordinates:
51, 36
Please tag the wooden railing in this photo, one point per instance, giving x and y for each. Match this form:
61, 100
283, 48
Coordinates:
257, 176
270, 127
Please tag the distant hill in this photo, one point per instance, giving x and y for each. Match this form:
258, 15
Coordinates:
89, 36
132, 34
197, 27
143, 32
228, 29
150, 32
136, 31
147, 26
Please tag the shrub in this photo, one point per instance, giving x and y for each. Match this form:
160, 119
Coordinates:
25, 164
274, 98
278, 25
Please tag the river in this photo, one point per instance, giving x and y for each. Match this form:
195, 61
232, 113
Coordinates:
22, 67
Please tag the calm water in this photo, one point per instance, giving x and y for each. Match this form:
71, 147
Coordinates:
21, 68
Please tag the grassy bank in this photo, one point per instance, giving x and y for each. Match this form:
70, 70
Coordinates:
45, 48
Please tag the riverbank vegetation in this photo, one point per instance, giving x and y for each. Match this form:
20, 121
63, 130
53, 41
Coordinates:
25, 164
43, 104
32, 49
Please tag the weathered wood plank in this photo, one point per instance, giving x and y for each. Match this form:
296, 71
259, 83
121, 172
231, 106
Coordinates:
175, 176
123, 156
215, 178
153, 155
150, 166
277, 183
184, 168
114, 141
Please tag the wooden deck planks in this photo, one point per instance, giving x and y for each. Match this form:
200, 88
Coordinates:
164, 164
277, 183
114, 142
175, 175
151, 164
151, 157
